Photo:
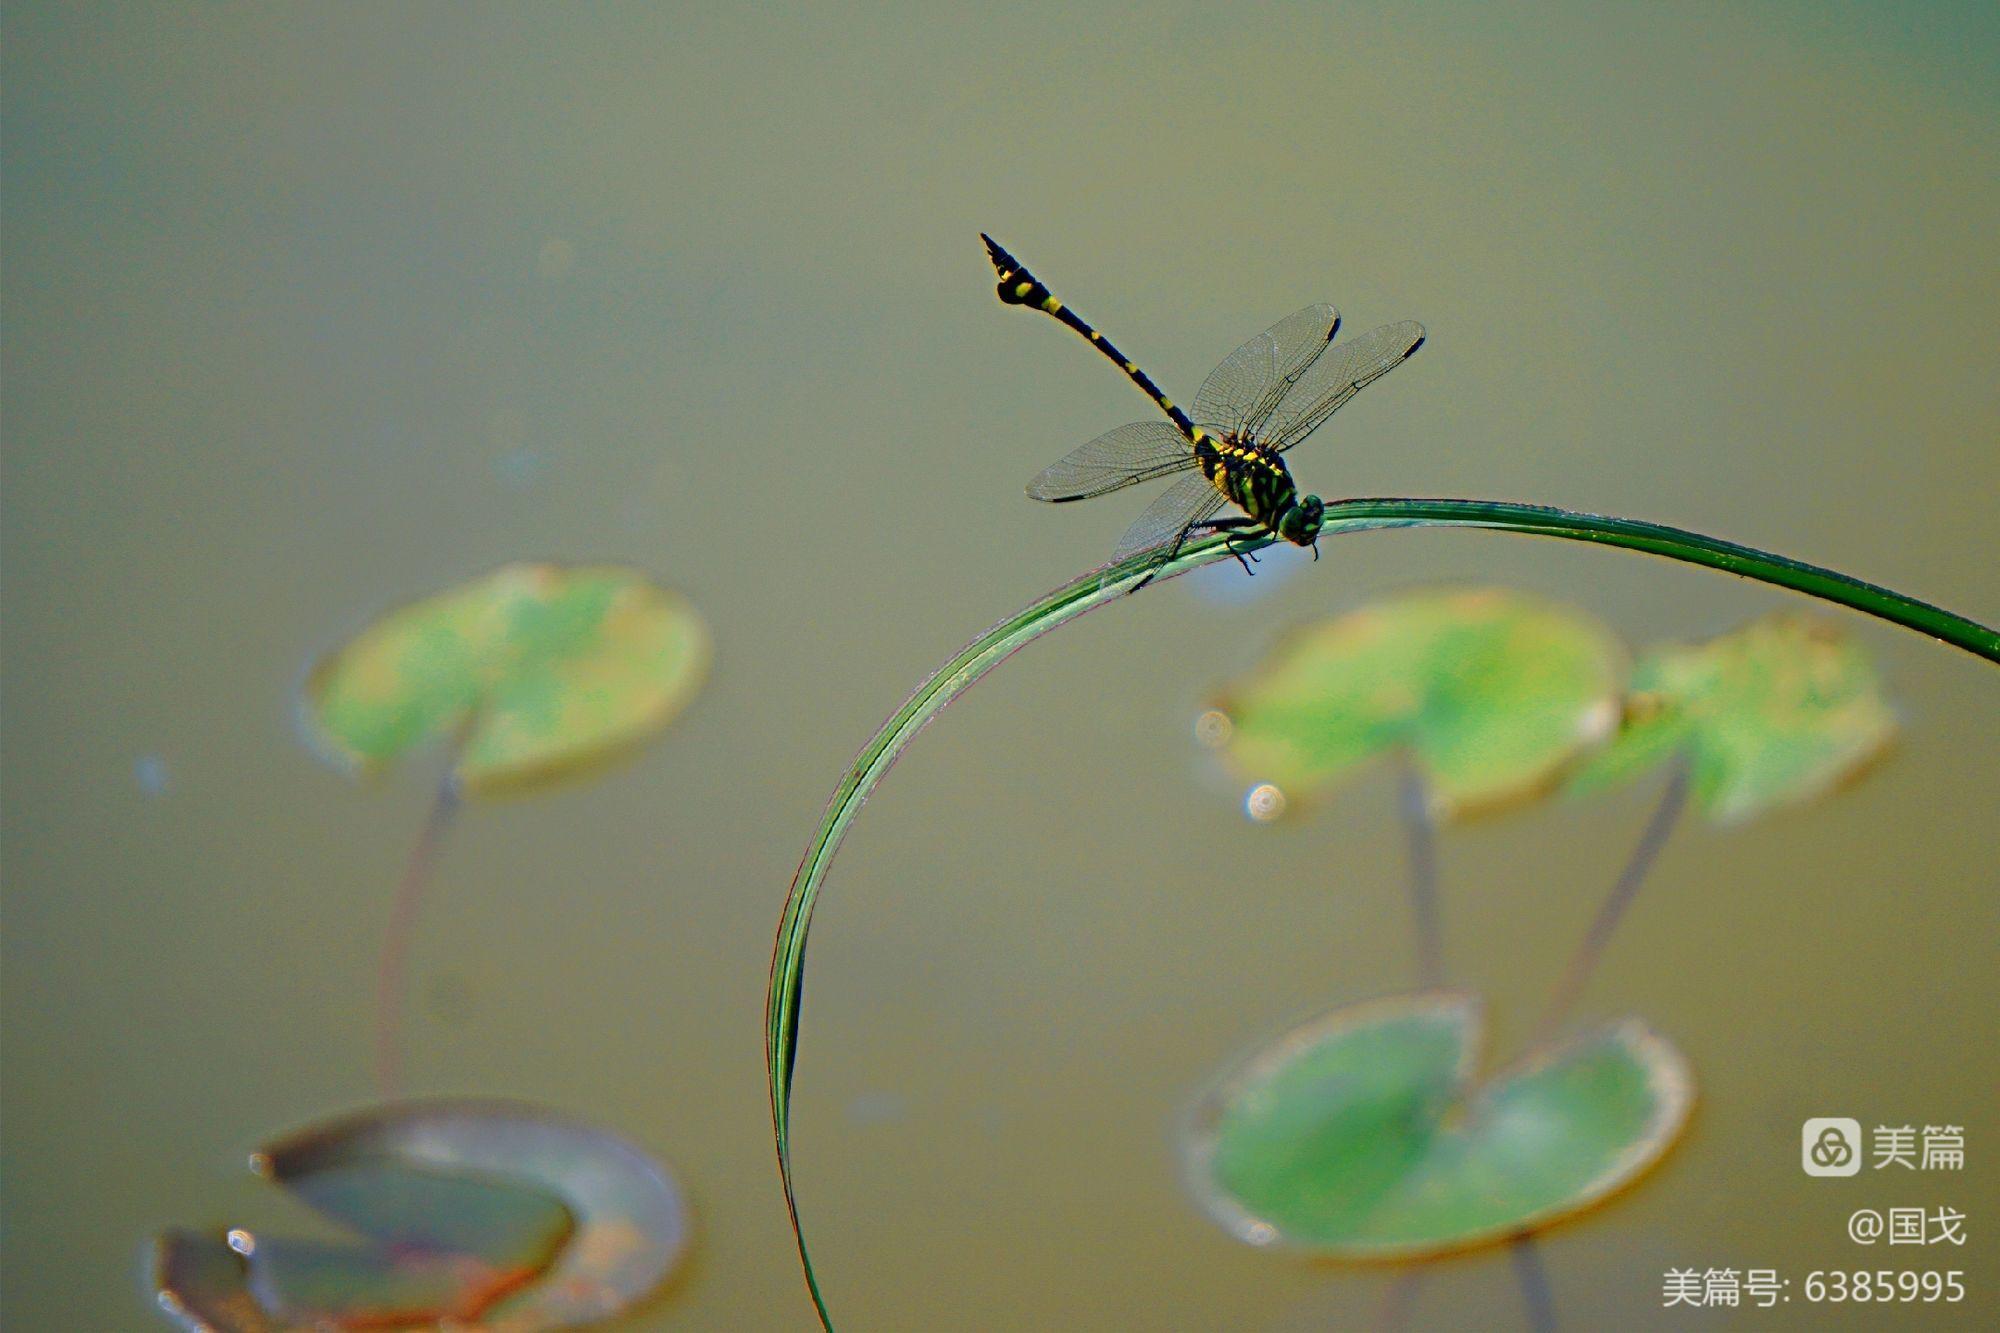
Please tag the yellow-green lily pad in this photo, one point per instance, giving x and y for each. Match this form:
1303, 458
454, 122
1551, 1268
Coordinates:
1489, 692
535, 669
1774, 713
473, 1215
1362, 1134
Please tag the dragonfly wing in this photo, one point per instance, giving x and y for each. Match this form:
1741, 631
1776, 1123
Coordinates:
1336, 377
1241, 391
1184, 504
1114, 460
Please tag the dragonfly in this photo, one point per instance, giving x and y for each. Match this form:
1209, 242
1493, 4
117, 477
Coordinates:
1270, 394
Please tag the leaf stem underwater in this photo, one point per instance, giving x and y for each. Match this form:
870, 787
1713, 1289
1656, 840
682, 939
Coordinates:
1101, 586
392, 966
1413, 803
1659, 827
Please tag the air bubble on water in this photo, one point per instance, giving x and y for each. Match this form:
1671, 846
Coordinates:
1264, 803
1598, 721
1213, 728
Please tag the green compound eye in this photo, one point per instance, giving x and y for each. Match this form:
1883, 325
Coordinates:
1301, 523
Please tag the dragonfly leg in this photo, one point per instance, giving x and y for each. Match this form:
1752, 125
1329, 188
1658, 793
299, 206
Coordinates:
1245, 555
1231, 525
1240, 552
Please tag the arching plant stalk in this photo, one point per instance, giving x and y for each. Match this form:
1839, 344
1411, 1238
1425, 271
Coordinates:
1098, 587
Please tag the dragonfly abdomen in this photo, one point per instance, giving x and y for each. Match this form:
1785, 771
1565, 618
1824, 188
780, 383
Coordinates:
1020, 287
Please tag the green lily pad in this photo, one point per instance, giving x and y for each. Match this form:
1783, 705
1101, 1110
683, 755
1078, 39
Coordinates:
1489, 692
483, 1215
537, 669
1362, 1135
1774, 713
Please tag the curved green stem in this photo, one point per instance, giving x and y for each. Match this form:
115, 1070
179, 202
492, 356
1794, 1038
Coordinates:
1099, 587
1676, 544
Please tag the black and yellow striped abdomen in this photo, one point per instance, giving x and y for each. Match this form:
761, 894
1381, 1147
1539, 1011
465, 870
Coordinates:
1020, 287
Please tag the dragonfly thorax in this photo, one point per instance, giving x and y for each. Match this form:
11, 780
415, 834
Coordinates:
1256, 480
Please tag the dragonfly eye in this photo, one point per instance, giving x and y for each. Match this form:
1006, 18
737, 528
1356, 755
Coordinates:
1301, 523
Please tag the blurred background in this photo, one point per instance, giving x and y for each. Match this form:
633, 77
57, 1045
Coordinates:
311, 309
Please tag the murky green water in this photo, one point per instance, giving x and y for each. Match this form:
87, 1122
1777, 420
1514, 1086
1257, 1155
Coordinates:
311, 310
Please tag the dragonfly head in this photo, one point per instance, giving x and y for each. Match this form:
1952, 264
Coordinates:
1300, 524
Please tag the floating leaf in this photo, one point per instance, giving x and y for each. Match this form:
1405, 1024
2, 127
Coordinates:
1774, 713
329, 1284
1361, 1134
202, 1285
449, 1241
1490, 692
485, 1215
541, 668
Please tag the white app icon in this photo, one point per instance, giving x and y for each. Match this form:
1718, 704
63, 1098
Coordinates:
1830, 1146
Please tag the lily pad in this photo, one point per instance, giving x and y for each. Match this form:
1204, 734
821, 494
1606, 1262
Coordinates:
440, 1241
1774, 713
201, 1284
1362, 1134
1489, 692
484, 1215
535, 669
318, 1284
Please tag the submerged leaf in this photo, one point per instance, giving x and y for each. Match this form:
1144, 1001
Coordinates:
485, 1215
1489, 692
1360, 1135
542, 668
1774, 713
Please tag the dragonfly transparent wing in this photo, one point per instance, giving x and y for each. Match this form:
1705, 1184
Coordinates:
1187, 502
1344, 371
1241, 391
1114, 460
